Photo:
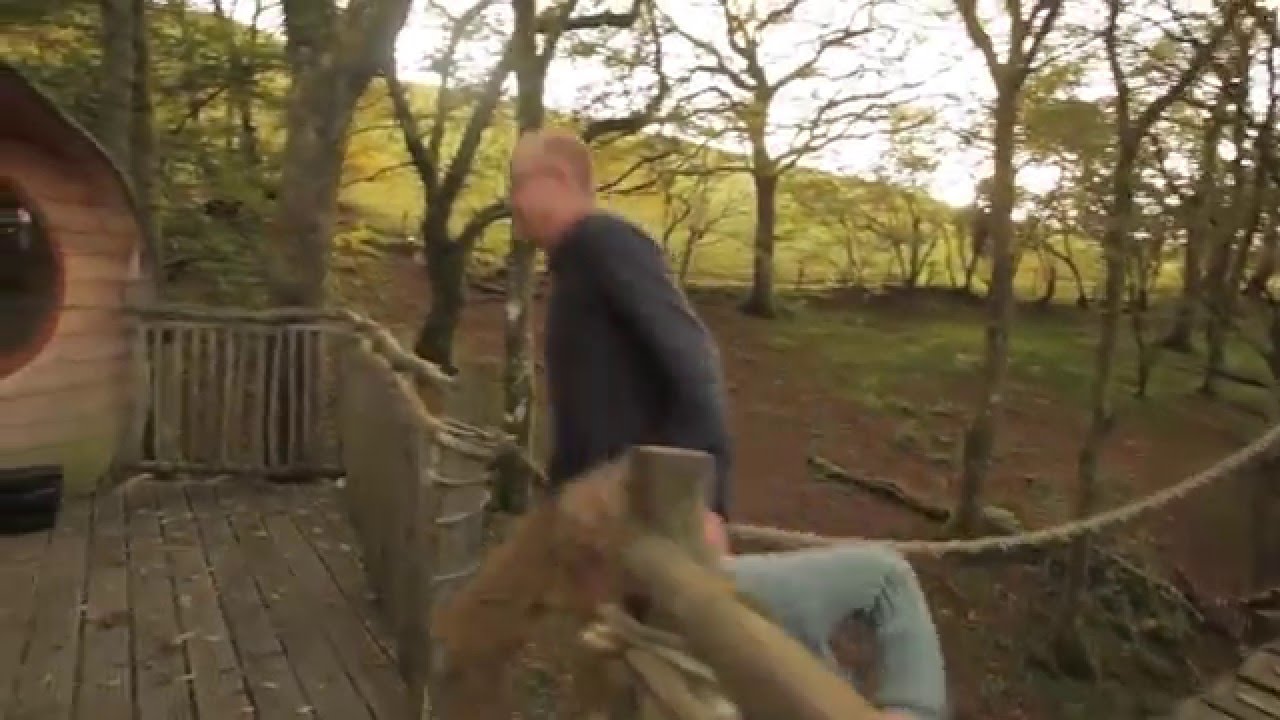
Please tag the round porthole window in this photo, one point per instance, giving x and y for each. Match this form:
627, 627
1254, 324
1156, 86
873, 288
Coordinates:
30, 281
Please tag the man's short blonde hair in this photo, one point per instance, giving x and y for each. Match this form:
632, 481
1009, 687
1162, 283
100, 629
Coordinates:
566, 148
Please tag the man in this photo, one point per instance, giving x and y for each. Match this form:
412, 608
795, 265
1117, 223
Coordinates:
629, 363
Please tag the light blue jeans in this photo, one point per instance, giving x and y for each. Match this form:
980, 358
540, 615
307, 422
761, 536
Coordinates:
810, 592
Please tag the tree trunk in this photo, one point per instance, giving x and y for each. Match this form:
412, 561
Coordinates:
1222, 280
513, 491
1199, 225
970, 269
332, 58
969, 254
1146, 355
1179, 337
1266, 267
142, 146
979, 439
1050, 275
447, 271
1101, 419
760, 301
1141, 281
513, 487
853, 262
1082, 295
1050, 286
320, 108
686, 260
920, 251
118, 65
953, 278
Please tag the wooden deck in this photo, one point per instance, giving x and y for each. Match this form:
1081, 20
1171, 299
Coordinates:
205, 600
1251, 693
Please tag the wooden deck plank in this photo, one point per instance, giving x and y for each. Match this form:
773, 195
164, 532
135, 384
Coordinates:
45, 683
296, 617
192, 602
325, 525
160, 662
374, 673
1238, 701
106, 676
216, 679
273, 685
1196, 709
19, 573
1263, 670
1250, 692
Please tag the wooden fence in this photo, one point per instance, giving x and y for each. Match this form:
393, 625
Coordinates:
416, 489
245, 396
305, 393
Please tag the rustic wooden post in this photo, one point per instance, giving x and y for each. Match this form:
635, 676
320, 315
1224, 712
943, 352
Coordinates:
766, 672
665, 488
418, 553
138, 410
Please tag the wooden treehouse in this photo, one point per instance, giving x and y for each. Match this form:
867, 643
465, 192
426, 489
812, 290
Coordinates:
69, 242
262, 509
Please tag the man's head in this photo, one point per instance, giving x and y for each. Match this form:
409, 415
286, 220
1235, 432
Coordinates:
552, 185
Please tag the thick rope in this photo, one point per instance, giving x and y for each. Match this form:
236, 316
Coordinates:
1260, 450
684, 688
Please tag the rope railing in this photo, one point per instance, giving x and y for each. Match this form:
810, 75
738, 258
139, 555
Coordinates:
1250, 457
415, 491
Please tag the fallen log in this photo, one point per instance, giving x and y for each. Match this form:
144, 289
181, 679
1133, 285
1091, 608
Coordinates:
999, 521
1241, 379
996, 521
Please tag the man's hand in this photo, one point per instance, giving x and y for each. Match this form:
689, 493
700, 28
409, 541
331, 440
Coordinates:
715, 534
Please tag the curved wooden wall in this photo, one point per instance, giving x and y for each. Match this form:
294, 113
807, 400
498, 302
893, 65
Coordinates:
68, 404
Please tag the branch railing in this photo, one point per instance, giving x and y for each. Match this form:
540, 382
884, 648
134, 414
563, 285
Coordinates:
415, 489
239, 397
304, 393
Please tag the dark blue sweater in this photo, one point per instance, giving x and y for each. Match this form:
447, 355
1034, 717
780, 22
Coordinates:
628, 361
